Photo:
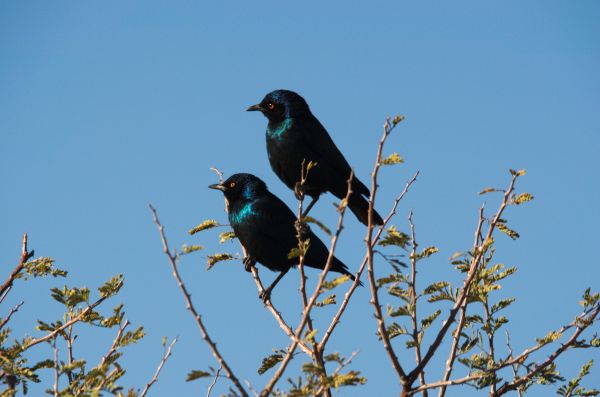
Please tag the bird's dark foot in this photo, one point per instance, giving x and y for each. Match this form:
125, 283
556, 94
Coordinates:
299, 191
301, 229
248, 263
265, 295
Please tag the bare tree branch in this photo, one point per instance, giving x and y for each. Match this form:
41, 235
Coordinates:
387, 128
25, 256
214, 382
190, 307
162, 363
12, 311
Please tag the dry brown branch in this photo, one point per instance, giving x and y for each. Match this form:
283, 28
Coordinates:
214, 382
56, 367
162, 363
444, 383
191, 308
515, 367
370, 262
115, 343
10, 313
306, 312
461, 318
25, 256
412, 290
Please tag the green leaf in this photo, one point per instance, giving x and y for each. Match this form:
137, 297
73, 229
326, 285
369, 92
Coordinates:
435, 287
392, 278
188, 249
509, 232
521, 198
427, 321
207, 224
394, 237
397, 119
427, 252
196, 374
329, 285
329, 300
550, 337
226, 236
321, 225
216, 258
395, 329
392, 159
269, 362
301, 250
111, 287
502, 304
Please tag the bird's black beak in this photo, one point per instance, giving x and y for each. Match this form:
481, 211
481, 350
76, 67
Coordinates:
217, 186
254, 108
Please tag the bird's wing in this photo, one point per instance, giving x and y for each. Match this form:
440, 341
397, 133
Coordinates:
318, 140
320, 143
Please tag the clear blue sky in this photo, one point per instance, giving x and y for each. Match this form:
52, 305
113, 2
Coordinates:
107, 106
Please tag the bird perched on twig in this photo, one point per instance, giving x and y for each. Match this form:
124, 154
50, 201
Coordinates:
265, 227
295, 137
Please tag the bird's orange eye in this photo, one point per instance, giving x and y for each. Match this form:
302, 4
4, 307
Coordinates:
232, 185
270, 106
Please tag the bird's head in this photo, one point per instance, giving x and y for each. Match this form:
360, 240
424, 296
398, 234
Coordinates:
280, 104
241, 187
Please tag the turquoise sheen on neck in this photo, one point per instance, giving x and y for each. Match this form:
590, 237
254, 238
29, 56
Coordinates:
246, 211
281, 129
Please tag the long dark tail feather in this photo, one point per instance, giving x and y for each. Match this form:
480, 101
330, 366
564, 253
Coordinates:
338, 266
360, 207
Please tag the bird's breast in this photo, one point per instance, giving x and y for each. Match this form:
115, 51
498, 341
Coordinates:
241, 215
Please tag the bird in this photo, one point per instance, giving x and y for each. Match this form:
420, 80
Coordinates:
265, 227
295, 137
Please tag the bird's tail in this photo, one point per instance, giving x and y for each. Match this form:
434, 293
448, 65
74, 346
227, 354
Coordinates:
360, 207
338, 266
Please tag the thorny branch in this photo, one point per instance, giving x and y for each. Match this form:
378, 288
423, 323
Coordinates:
191, 308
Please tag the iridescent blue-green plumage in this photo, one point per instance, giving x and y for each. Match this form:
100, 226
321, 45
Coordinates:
294, 135
265, 227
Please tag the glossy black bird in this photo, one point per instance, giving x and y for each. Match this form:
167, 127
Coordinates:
294, 135
265, 227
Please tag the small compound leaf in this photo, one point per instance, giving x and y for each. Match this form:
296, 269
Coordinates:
196, 374
207, 224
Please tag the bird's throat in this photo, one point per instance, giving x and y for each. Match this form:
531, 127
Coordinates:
278, 129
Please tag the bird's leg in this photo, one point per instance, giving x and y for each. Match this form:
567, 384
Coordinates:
248, 263
310, 205
266, 294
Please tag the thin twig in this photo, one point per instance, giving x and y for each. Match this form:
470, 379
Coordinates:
412, 290
515, 367
462, 315
162, 363
213, 383
116, 341
25, 256
56, 367
190, 307
370, 267
10, 313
